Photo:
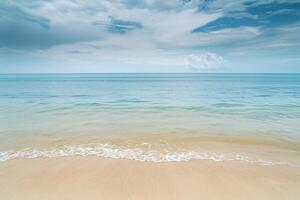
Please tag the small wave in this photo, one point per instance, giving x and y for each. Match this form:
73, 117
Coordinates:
229, 105
109, 151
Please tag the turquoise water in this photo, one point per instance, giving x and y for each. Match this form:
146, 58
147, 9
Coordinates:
43, 112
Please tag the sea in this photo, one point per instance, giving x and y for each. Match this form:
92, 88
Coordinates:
157, 117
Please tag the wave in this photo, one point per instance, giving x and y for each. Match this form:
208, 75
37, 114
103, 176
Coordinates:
109, 151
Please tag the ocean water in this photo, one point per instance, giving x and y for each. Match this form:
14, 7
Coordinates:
150, 117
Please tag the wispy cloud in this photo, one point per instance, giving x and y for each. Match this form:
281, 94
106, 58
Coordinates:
191, 34
204, 62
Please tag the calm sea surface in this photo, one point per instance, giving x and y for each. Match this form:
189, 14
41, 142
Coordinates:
43, 113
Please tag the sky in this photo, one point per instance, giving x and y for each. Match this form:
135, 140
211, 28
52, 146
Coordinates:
86, 36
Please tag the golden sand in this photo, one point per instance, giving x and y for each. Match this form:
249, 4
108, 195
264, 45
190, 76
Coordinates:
74, 178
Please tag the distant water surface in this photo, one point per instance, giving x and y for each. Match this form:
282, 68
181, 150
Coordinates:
46, 112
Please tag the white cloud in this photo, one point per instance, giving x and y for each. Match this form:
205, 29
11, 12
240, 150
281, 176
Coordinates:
204, 61
164, 40
166, 37
140, 54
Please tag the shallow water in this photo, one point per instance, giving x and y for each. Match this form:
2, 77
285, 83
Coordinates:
163, 115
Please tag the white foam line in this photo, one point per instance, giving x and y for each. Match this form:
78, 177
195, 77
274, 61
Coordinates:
109, 151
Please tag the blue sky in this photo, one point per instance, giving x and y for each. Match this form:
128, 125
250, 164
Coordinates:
149, 36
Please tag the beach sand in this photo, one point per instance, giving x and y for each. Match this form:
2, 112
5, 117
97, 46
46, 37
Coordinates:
74, 178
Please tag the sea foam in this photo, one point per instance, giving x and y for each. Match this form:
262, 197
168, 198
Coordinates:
110, 151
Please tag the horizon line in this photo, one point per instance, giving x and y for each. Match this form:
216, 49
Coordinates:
24, 73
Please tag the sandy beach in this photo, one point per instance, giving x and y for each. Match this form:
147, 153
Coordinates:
74, 178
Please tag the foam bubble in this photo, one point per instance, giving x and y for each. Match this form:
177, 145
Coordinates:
110, 151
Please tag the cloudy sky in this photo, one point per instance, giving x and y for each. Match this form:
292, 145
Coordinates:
149, 36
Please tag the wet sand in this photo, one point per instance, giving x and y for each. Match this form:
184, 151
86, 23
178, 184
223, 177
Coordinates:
74, 178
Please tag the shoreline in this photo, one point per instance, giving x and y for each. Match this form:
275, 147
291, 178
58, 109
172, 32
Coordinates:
147, 152
105, 178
